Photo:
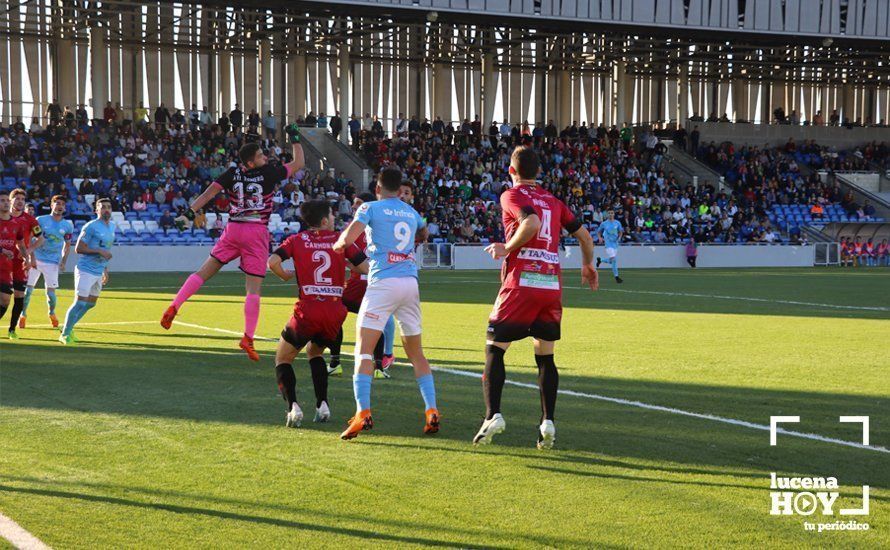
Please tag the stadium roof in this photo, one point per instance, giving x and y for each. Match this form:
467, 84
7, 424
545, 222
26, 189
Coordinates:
425, 35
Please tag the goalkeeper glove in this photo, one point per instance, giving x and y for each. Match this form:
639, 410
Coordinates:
293, 133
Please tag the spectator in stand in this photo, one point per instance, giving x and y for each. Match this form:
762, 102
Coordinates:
336, 125
108, 114
200, 221
816, 211
818, 119
54, 113
139, 204
355, 128
162, 118
140, 115
166, 222
270, 125
236, 119
182, 221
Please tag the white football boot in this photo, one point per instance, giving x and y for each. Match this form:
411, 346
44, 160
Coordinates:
489, 429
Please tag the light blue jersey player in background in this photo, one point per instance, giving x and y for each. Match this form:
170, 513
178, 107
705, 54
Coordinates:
610, 231
91, 274
51, 257
391, 228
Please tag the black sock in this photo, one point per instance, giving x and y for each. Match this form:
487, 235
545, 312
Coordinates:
335, 349
3, 310
319, 379
378, 353
548, 382
287, 383
493, 378
17, 305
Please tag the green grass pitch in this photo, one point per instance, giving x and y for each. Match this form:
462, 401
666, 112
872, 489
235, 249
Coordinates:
141, 437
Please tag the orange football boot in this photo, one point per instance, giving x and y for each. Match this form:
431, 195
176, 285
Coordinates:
361, 421
169, 315
432, 421
54, 320
247, 345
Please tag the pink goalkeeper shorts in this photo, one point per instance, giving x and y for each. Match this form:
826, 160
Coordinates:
245, 240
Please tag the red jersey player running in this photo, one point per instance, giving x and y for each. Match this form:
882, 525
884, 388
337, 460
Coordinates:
250, 187
530, 299
22, 262
12, 245
318, 316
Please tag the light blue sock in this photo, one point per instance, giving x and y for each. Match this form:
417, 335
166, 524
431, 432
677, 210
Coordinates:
80, 308
27, 301
428, 391
615, 267
72, 316
51, 301
361, 386
389, 335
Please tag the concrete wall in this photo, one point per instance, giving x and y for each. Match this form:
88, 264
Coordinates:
151, 258
155, 258
474, 257
778, 134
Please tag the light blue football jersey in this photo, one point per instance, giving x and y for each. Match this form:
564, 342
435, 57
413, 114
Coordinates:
97, 235
56, 234
610, 229
391, 226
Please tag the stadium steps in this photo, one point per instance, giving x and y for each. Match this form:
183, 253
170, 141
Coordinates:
881, 204
339, 156
688, 167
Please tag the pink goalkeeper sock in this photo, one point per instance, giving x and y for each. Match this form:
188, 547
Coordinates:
189, 287
251, 314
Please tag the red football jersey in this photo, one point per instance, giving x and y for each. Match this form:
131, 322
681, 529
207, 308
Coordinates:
30, 228
535, 265
362, 243
321, 272
10, 233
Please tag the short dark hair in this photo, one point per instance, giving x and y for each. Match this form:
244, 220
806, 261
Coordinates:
390, 178
103, 201
4, 192
366, 196
247, 152
58, 198
16, 192
407, 183
314, 212
525, 161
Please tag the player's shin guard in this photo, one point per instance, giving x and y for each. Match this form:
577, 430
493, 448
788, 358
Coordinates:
493, 379
378, 353
251, 314
319, 379
51, 301
427, 391
287, 383
389, 335
548, 382
335, 349
28, 292
17, 304
361, 387
188, 289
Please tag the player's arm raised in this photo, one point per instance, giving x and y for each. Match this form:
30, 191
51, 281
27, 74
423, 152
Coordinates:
275, 267
528, 228
348, 236
212, 190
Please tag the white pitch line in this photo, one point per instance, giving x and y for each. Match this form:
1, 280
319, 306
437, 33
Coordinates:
617, 400
101, 324
18, 537
710, 296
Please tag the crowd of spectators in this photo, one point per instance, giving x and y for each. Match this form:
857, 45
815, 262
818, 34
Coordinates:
764, 176
458, 177
160, 161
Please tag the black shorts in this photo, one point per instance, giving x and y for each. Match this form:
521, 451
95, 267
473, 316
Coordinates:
519, 313
5, 288
20, 286
297, 340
